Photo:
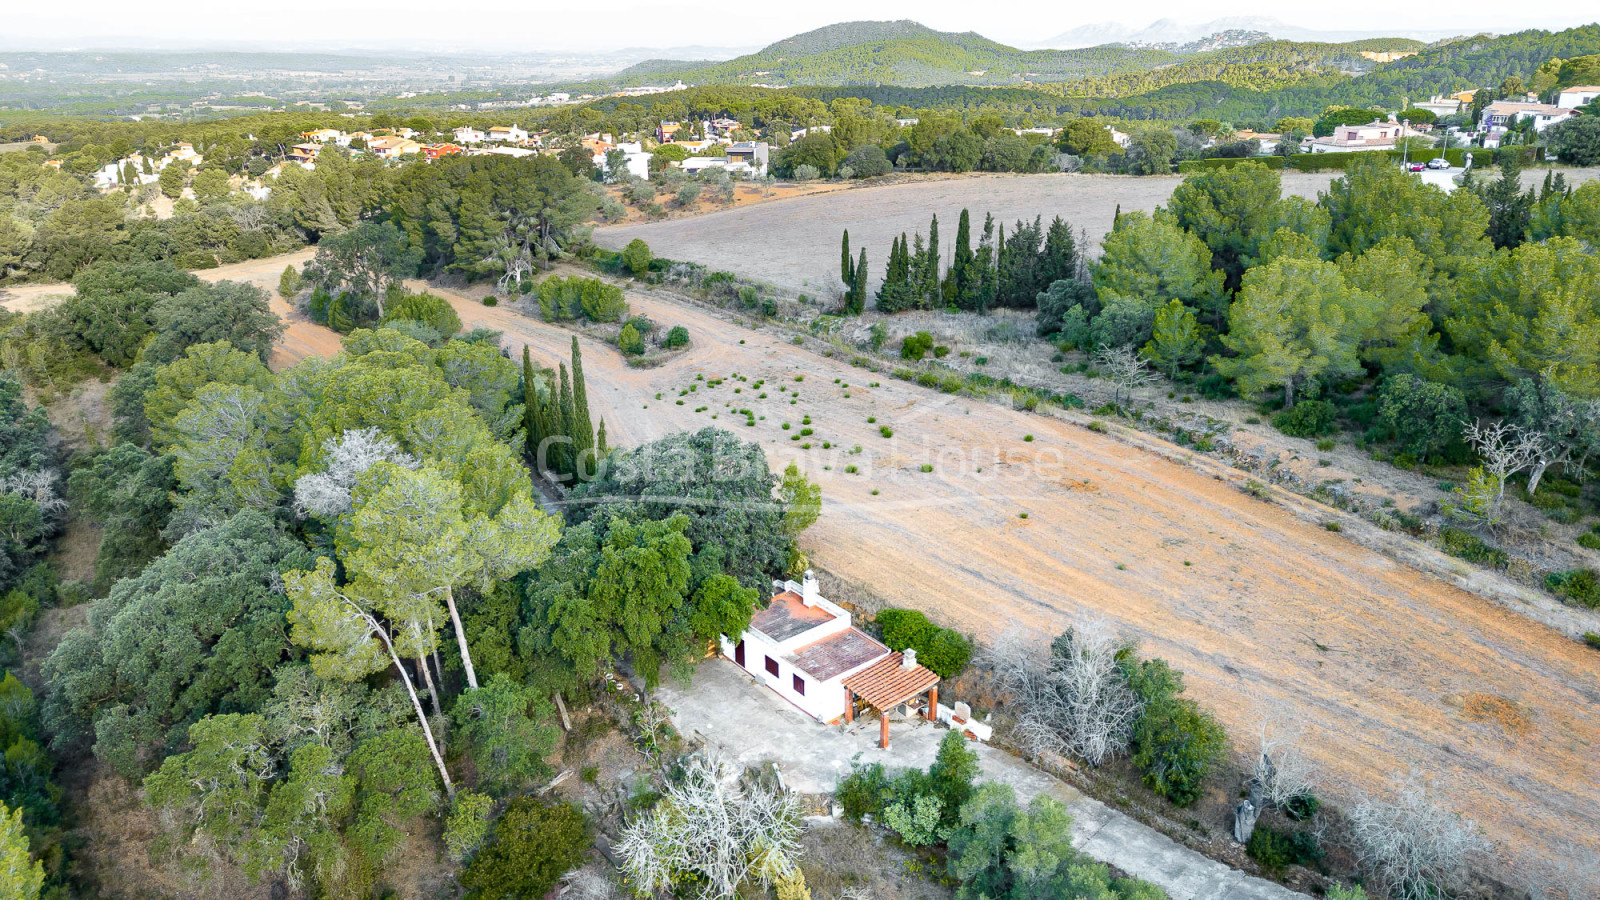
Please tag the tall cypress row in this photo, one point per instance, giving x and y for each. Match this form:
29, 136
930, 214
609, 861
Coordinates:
582, 432
530, 409
857, 299
565, 452
958, 286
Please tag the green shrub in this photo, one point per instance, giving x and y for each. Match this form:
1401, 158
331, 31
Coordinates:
1306, 419
677, 337
943, 651
863, 792
562, 299
1277, 850
1590, 538
636, 257
1578, 585
629, 341
1175, 742
429, 309
468, 825
886, 431
916, 346
1592, 639
1463, 544
1425, 417
533, 846
491, 300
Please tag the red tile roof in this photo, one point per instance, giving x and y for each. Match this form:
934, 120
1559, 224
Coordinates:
788, 616
836, 654
885, 685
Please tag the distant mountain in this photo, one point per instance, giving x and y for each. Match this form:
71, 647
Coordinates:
899, 53
1222, 40
1164, 32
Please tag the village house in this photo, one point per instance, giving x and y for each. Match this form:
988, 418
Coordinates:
638, 159
721, 127
392, 147
507, 134
304, 153
750, 153
1375, 135
1266, 142
666, 131
466, 134
321, 135
1505, 114
1440, 105
804, 648
434, 151
1577, 95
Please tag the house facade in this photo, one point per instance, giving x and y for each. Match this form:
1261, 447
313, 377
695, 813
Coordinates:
1577, 95
803, 647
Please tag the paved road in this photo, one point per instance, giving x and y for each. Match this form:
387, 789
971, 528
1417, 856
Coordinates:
730, 711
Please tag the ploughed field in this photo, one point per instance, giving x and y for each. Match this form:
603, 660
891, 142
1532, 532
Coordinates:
1388, 671
793, 244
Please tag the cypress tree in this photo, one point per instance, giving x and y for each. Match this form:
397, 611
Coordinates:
600, 447
582, 432
930, 287
983, 289
534, 434
564, 452
1060, 259
856, 300
847, 269
959, 289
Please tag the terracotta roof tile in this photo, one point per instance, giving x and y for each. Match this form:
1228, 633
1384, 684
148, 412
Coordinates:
836, 654
787, 616
885, 685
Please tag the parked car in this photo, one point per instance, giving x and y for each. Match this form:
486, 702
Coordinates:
1415, 167
1438, 162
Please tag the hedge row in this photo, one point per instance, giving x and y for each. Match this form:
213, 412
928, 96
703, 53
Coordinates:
941, 650
1322, 162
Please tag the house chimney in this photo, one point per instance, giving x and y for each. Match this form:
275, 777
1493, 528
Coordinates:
808, 589
908, 659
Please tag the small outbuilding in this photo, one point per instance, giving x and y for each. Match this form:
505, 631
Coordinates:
805, 648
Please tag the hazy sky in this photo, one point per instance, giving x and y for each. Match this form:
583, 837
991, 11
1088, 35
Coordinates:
597, 24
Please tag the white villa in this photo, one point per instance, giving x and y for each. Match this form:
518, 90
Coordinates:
804, 647
1577, 95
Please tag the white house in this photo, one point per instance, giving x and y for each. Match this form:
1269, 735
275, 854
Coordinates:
1505, 113
803, 647
638, 159
754, 154
1440, 105
1577, 95
1355, 138
466, 134
507, 134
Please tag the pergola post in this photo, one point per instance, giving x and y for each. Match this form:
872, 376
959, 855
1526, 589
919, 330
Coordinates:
883, 728
849, 706
933, 704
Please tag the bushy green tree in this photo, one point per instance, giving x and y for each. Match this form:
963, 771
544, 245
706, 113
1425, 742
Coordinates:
1295, 320
1232, 209
20, 876
198, 631
1425, 417
1146, 261
533, 845
429, 309
128, 490
505, 727
224, 311
1176, 339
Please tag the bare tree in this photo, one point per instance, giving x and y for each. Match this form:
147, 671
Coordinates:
326, 494
712, 828
1505, 449
1125, 369
1073, 699
1564, 429
1282, 770
1414, 847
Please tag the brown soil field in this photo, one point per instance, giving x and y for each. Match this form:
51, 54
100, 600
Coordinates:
1270, 615
794, 245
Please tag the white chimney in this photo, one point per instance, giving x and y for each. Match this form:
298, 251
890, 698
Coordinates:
809, 595
908, 659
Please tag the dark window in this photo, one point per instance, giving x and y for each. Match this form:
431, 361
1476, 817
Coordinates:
772, 666
799, 685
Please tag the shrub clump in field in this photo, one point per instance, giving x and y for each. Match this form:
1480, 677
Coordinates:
916, 346
1578, 585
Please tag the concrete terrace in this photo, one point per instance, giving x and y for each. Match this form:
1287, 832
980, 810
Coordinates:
751, 724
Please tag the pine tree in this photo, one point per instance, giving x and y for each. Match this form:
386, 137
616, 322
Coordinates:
565, 452
847, 269
582, 431
856, 300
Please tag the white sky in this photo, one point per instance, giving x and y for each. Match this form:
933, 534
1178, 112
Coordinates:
587, 25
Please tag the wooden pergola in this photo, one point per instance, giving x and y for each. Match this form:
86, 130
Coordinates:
886, 684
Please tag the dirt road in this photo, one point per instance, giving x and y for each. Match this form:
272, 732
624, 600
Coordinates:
794, 244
